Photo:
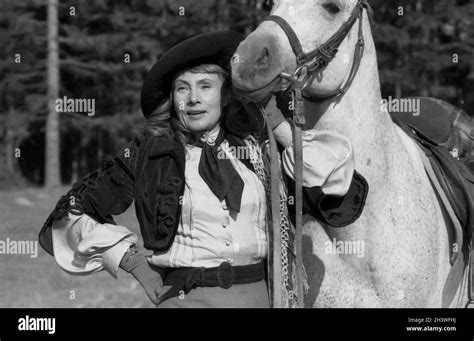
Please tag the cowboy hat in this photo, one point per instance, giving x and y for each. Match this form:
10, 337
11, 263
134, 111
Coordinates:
207, 48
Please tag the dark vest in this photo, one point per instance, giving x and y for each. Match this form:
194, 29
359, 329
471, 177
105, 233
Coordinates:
159, 186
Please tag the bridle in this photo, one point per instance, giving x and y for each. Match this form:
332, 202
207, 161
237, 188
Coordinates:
310, 63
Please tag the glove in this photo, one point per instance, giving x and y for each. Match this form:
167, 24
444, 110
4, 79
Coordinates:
278, 109
284, 103
274, 116
149, 276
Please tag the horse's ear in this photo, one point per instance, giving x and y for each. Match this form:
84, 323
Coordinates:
370, 13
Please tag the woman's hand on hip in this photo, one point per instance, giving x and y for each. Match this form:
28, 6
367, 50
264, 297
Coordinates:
149, 276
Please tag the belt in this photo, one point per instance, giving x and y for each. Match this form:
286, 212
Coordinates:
224, 276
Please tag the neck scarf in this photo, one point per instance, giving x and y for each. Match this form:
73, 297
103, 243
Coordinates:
218, 172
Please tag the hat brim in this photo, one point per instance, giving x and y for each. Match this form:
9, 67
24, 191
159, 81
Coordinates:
208, 48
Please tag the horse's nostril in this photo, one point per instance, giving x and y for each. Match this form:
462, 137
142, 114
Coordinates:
263, 58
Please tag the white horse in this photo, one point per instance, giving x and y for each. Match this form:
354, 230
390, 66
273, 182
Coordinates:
404, 229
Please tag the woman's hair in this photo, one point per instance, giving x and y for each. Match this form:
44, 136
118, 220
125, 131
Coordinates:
164, 120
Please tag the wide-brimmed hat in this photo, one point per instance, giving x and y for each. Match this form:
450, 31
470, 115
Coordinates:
208, 48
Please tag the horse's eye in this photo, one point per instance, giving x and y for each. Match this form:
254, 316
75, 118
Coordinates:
331, 7
267, 5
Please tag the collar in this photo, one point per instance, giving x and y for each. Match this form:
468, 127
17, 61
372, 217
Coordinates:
210, 137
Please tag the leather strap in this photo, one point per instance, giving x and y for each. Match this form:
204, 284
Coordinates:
455, 276
470, 291
308, 64
275, 232
224, 276
326, 51
358, 54
292, 37
329, 49
298, 124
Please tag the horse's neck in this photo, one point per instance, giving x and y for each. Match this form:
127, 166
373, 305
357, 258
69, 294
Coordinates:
360, 117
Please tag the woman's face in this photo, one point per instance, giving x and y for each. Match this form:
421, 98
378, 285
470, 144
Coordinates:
197, 100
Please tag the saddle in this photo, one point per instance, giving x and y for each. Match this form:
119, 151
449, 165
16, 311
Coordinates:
446, 136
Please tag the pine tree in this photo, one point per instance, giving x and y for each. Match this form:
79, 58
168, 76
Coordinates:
52, 162
22, 80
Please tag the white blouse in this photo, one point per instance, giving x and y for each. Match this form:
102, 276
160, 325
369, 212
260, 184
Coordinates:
208, 233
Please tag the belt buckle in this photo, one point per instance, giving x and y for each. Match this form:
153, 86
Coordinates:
225, 275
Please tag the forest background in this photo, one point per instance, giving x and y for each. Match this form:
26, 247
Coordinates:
425, 48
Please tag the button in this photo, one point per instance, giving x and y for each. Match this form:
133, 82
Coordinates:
224, 207
345, 152
236, 247
227, 243
224, 225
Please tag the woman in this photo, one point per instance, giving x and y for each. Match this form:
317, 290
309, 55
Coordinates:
201, 207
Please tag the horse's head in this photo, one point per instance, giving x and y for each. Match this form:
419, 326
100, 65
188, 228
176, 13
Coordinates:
267, 52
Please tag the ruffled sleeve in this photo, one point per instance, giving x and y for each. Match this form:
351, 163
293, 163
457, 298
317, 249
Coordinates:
83, 246
101, 194
333, 191
81, 232
328, 162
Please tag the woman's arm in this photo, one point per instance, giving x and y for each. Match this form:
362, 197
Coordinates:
333, 191
85, 212
83, 246
81, 234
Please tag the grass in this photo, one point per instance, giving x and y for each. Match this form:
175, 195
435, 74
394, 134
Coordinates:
27, 282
